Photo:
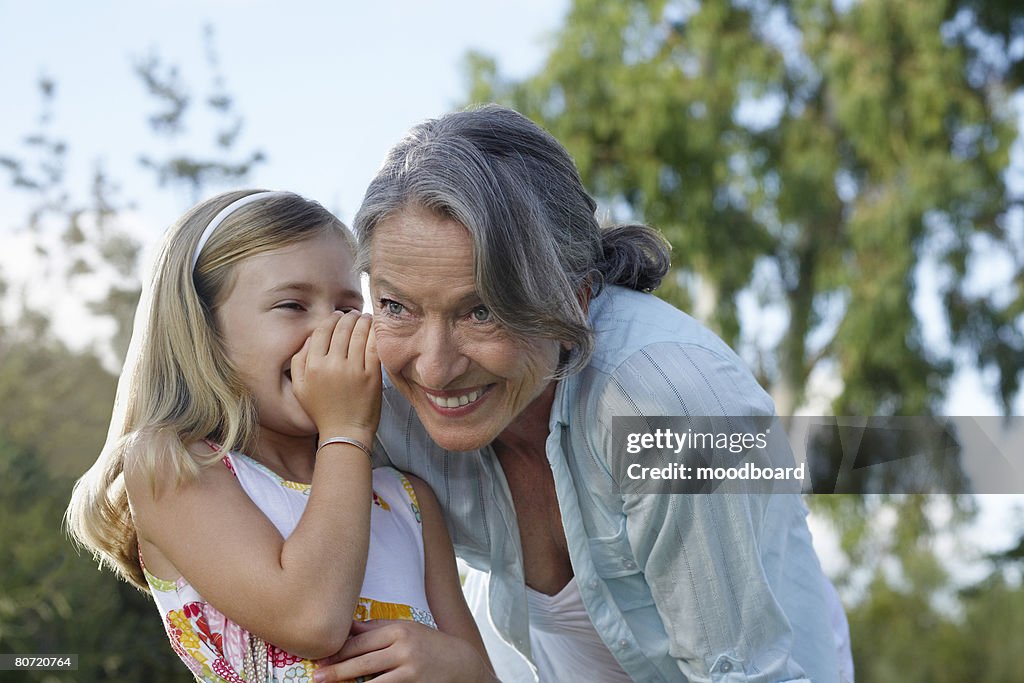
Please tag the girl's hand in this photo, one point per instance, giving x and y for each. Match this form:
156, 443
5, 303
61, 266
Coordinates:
336, 377
403, 652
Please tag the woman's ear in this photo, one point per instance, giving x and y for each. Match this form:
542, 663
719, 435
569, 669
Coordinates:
583, 295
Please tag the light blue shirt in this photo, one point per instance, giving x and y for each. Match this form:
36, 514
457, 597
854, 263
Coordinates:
700, 587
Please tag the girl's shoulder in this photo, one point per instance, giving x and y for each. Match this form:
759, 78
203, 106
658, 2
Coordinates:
162, 473
172, 498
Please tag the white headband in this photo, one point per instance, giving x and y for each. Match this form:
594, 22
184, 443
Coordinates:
224, 213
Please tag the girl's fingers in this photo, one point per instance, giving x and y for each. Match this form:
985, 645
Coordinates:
298, 364
365, 637
362, 655
343, 333
370, 358
360, 335
370, 665
320, 340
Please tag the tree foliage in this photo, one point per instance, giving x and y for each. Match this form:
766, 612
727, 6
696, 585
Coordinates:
56, 402
55, 601
809, 158
218, 162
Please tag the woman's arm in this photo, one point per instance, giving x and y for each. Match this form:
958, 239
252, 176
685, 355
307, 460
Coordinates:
712, 560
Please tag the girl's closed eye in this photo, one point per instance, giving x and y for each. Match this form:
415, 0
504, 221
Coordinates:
290, 306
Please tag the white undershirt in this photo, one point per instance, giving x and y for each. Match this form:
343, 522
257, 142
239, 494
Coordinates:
564, 642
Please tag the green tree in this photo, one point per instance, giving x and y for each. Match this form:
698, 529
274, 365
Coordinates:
56, 403
53, 600
216, 164
900, 636
812, 157
993, 624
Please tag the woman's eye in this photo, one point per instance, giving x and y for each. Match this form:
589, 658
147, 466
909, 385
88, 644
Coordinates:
291, 306
480, 314
391, 307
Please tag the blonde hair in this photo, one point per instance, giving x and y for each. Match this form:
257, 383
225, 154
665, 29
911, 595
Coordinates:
178, 386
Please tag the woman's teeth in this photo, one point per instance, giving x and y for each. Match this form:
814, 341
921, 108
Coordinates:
455, 401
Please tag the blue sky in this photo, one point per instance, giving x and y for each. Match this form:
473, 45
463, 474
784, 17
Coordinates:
325, 87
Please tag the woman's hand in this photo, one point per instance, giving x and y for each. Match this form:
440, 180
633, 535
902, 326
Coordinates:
403, 652
336, 377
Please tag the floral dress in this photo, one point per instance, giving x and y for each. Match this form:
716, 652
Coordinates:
218, 650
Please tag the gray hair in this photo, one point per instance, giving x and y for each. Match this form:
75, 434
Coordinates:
537, 244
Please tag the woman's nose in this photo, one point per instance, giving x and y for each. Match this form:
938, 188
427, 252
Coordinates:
439, 360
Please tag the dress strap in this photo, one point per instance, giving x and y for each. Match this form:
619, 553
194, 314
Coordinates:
215, 447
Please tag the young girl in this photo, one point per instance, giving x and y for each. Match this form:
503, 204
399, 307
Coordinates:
236, 485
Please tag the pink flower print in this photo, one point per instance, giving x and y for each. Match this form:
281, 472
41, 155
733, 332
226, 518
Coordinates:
234, 639
280, 658
221, 668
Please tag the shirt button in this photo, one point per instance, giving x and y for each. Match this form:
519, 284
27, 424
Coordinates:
725, 667
628, 564
593, 584
623, 644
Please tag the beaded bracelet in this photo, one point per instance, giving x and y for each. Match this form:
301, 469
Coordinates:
344, 439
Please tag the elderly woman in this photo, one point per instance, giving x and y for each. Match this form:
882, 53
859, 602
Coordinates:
513, 328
